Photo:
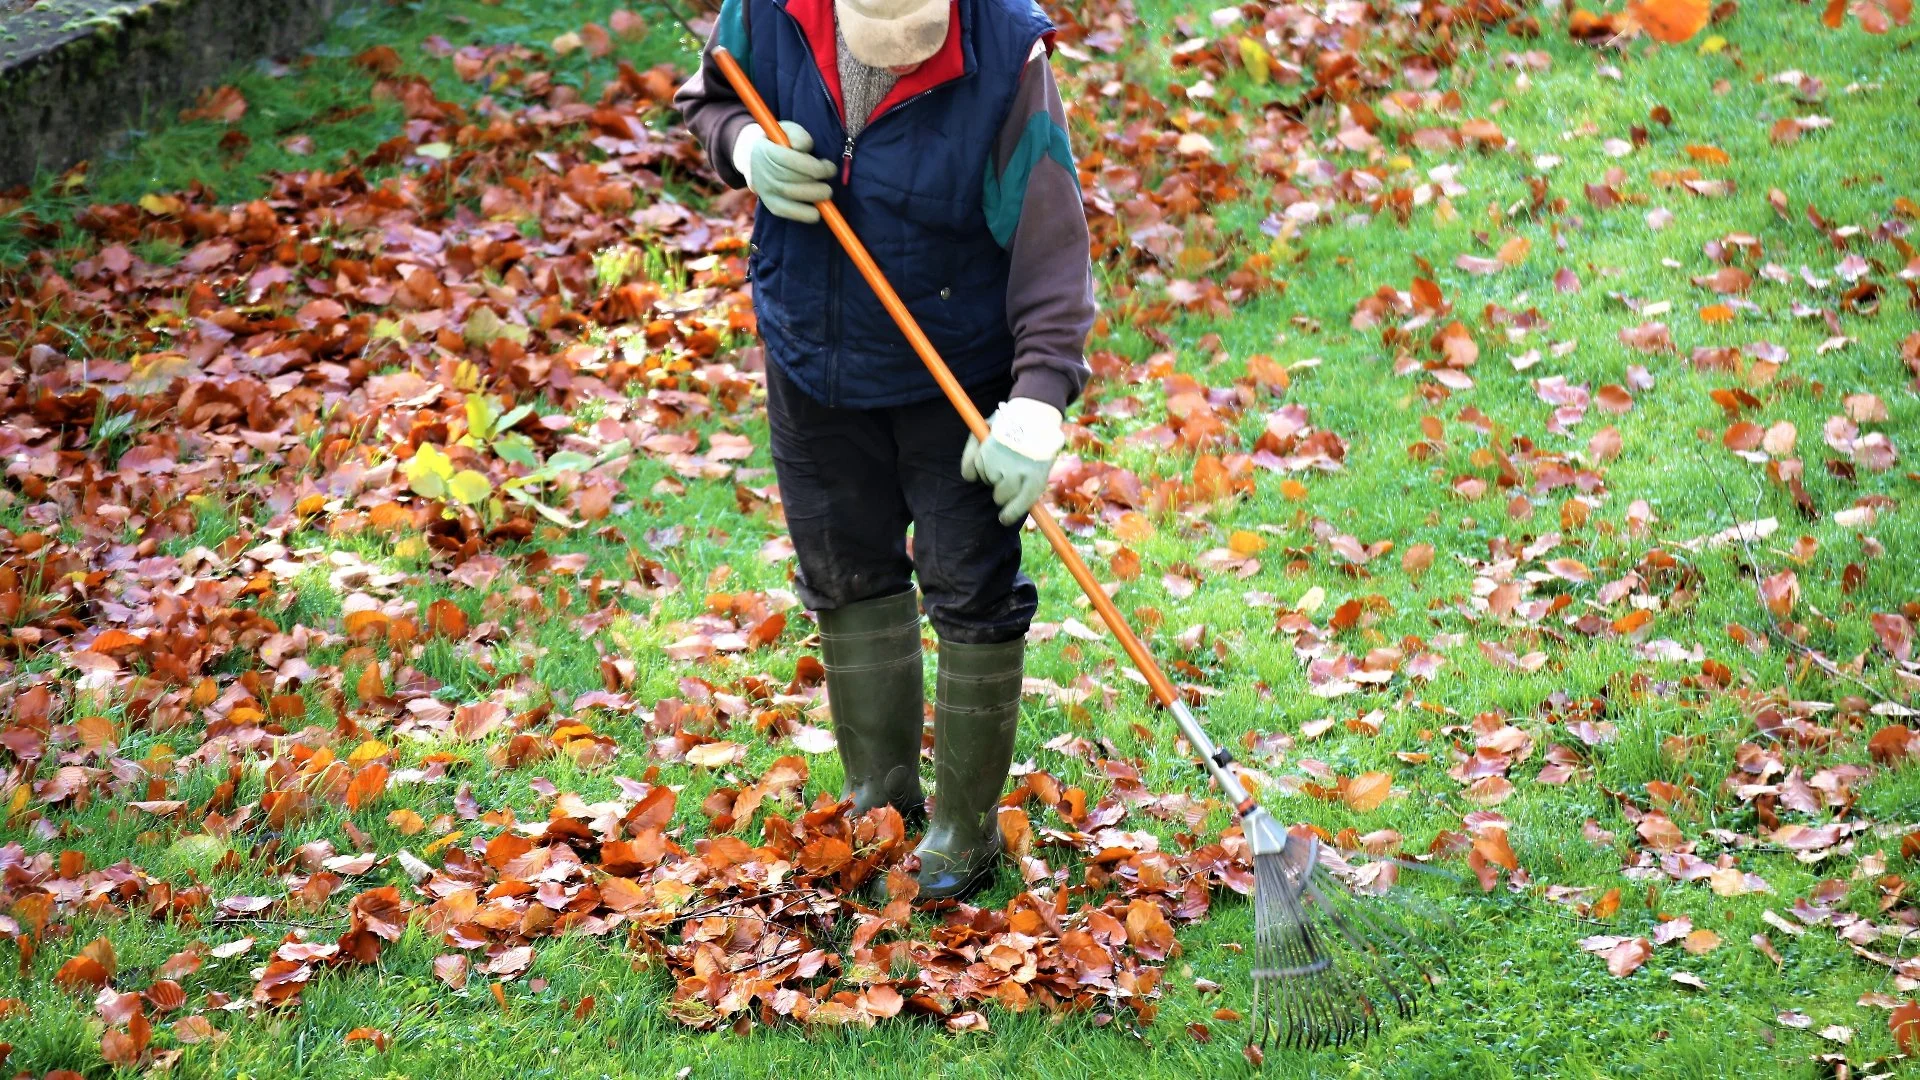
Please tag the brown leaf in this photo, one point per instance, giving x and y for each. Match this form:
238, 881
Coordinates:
1625, 958
1148, 930
451, 968
1780, 592
510, 963
82, 975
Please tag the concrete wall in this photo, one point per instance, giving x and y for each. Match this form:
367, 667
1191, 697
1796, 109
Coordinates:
75, 73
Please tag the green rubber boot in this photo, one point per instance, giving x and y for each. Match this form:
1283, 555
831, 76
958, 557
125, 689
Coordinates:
976, 710
876, 692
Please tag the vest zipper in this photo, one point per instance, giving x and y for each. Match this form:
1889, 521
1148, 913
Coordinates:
836, 257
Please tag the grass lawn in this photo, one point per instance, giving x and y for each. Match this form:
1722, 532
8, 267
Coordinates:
1459, 596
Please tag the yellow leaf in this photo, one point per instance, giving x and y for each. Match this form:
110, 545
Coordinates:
371, 750
481, 414
161, 205
1713, 44
428, 471
450, 838
1246, 543
1255, 58
470, 487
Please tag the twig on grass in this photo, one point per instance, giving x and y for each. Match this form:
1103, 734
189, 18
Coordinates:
1774, 630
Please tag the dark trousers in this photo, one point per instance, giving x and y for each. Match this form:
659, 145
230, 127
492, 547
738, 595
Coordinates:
852, 480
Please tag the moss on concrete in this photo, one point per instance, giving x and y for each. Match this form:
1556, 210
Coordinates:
74, 73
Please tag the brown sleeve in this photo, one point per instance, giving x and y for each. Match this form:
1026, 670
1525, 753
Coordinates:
714, 113
1050, 301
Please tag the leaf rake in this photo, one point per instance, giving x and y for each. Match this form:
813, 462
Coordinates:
1328, 965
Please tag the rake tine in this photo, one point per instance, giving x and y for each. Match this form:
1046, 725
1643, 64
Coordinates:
1380, 923
1369, 947
1329, 962
1367, 951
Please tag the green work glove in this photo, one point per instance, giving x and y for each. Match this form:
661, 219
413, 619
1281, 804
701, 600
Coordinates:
1025, 436
788, 179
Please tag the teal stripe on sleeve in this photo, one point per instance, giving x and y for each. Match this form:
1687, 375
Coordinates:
731, 32
1006, 191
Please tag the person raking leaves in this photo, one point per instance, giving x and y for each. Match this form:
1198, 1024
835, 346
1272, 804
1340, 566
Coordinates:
937, 128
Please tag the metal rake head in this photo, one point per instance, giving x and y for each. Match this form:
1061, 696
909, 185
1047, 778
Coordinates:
1328, 965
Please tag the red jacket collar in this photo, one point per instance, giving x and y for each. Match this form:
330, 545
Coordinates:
816, 23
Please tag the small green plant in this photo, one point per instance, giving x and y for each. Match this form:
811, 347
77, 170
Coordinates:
111, 434
613, 266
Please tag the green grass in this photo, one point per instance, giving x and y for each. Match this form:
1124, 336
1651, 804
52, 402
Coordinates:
1521, 999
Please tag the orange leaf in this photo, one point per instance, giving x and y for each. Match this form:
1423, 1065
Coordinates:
1148, 929
1632, 621
1891, 745
368, 784
366, 1034
1712, 155
1367, 791
406, 822
1671, 21
82, 974
114, 640
370, 686
445, 618
767, 631
1495, 848
500, 995
1243, 542
1905, 1025
1606, 906
1835, 14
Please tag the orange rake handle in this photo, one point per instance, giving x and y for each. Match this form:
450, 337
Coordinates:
1135, 649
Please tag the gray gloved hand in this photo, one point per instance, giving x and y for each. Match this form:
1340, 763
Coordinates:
788, 179
1025, 436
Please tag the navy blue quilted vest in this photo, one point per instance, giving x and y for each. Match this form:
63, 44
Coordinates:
911, 185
